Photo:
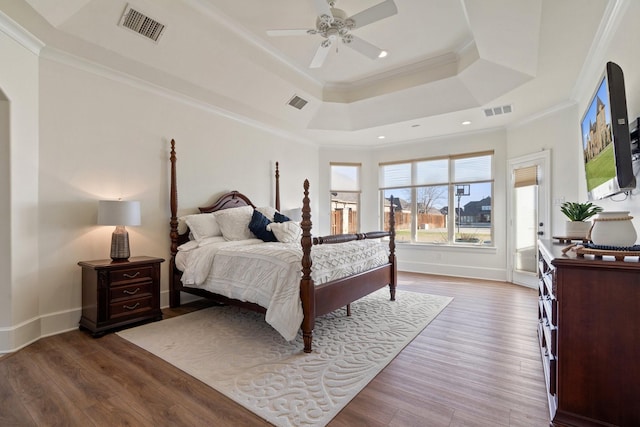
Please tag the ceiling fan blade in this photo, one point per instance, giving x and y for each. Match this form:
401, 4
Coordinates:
363, 47
279, 33
323, 9
375, 13
321, 54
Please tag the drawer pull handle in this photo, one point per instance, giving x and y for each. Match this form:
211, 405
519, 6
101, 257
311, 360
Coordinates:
131, 276
131, 307
133, 292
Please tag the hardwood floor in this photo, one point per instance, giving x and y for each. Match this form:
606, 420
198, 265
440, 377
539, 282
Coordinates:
476, 364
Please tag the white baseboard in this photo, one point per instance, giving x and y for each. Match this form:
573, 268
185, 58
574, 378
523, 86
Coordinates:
21, 335
466, 271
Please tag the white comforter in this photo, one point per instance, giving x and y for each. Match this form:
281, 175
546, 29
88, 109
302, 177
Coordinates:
268, 274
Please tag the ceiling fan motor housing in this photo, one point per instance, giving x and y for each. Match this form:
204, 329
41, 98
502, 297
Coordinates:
340, 24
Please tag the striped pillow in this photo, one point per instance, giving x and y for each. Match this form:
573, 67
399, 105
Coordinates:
286, 232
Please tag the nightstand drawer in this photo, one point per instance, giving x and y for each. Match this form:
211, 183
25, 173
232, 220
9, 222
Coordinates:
131, 291
126, 275
130, 307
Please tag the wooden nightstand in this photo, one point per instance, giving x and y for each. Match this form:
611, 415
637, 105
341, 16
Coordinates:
116, 294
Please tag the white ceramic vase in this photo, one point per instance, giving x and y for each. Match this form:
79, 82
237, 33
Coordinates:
613, 229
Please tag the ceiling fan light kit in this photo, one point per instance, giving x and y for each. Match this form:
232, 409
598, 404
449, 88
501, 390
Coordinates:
333, 24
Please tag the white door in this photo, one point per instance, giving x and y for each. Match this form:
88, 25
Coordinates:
528, 215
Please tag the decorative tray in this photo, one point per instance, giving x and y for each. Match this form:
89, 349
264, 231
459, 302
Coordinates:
600, 251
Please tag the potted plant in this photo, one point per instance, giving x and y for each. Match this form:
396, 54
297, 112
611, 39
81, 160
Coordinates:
578, 213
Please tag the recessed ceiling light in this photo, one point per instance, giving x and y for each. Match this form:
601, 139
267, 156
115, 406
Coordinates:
381, 137
382, 54
466, 123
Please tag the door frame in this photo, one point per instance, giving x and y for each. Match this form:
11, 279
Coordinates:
542, 160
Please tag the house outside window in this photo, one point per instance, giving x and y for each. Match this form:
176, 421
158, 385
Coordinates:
444, 200
345, 198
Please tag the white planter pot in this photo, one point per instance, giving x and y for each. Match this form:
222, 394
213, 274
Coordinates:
613, 229
577, 229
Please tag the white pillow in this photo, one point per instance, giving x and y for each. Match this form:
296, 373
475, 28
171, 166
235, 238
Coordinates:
234, 223
267, 211
202, 226
286, 232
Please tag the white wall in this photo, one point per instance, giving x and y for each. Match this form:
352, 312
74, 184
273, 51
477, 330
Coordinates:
558, 132
20, 281
5, 212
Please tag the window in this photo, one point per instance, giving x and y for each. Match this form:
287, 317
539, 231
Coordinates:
345, 198
441, 200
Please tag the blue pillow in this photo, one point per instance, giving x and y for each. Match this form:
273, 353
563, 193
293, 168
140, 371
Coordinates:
258, 226
278, 217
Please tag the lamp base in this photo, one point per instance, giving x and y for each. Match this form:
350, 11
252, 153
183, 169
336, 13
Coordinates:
120, 244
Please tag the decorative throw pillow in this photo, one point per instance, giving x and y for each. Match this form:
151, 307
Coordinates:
267, 211
278, 217
286, 232
202, 226
234, 222
258, 226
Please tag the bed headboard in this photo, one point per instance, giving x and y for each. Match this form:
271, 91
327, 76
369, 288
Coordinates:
232, 199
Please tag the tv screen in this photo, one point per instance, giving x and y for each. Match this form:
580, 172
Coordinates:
605, 138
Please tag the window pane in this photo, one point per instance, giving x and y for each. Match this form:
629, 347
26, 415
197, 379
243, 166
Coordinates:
472, 168
402, 212
344, 212
397, 175
345, 177
474, 209
433, 208
432, 172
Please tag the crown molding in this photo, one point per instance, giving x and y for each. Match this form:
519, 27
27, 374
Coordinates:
14, 30
594, 64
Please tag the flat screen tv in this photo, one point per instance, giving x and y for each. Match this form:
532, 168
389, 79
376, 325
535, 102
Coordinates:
606, 142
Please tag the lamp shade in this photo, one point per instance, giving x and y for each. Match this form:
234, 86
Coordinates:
118, 212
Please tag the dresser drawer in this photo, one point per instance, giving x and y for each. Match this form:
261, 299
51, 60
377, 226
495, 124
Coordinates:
130, 291
129, 274
130, 307
550, 308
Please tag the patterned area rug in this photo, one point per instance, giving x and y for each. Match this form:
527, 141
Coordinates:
237, 353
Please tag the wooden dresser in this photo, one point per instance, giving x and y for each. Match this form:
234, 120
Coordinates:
117, 294
589, 332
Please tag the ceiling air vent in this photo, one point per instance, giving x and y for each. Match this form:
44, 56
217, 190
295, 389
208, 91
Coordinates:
141, 24
496, 111
297, 102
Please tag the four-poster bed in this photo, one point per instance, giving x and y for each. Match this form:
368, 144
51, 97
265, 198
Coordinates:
316, 299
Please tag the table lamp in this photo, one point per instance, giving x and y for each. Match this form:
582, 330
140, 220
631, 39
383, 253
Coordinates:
119, 213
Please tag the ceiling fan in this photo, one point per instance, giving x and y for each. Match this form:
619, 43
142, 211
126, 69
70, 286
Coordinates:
333, 24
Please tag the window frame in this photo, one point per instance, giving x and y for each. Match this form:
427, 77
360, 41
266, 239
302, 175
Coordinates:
358, 193
451, 185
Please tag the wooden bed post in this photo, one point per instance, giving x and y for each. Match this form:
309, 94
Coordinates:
174, 295
277, 188
392, 250
306, 283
